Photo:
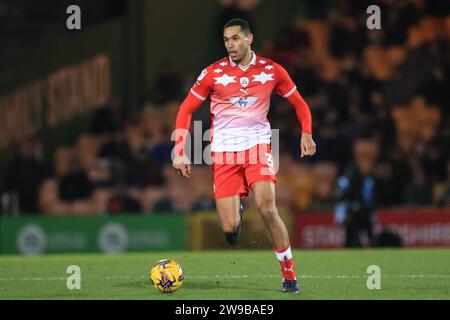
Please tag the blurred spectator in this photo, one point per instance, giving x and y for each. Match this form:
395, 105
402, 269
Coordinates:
101, 174
107, 119
322, 197
381, 121
357, 195
418, 192
396, 28
158, 143
345, 29
398, 176
75, 185
444, 198
122, 202
117, 149
142, 172
436, 90
288, 45
178, 195
332, 145
168, 83
24, 176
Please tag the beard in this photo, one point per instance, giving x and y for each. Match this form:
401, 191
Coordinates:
238, 59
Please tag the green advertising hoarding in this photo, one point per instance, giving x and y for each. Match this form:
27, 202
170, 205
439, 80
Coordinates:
111, 234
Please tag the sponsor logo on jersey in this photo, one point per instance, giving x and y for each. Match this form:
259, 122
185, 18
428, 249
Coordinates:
243, 102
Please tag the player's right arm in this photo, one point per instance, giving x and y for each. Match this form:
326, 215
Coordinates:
198, 93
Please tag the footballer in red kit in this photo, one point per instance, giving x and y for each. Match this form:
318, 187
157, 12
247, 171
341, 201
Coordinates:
239, 87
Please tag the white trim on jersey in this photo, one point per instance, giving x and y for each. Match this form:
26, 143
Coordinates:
290, 92
197, 95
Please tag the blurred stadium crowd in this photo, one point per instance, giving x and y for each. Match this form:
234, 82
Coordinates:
378, 97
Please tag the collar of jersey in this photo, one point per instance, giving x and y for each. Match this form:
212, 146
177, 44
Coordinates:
253, 62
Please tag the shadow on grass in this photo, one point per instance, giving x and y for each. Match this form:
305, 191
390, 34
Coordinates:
209, 285
195, 285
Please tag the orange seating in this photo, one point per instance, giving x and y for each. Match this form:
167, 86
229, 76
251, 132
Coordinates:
375, 59
416, 121
415, 37
446, 28
395, 56
430, 27
318, 32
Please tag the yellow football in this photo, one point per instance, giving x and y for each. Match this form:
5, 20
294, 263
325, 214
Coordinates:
167, 275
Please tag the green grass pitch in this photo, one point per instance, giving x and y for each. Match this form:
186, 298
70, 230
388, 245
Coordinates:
324, 274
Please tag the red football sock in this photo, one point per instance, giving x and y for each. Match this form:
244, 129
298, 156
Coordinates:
284, 256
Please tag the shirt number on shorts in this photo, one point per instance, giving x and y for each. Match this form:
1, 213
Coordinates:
269, 159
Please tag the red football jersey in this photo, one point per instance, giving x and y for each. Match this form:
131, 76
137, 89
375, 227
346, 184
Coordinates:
240, 100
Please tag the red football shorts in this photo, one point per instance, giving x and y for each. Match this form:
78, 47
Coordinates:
234, 173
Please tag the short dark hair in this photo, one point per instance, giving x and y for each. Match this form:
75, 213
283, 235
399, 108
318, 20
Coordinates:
245, 27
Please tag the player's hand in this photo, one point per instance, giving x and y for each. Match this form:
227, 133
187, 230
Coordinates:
182, 166
307, 145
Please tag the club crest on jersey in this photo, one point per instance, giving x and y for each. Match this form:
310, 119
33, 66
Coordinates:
243, 102
244, 81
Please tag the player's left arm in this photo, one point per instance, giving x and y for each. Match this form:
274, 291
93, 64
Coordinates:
286, 88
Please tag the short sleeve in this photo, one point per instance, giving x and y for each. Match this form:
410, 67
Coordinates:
203, 85
284, 84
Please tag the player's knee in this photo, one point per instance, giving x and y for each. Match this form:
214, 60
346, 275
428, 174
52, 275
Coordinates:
267, 209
